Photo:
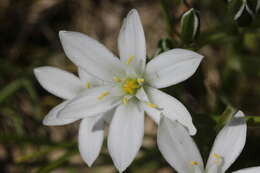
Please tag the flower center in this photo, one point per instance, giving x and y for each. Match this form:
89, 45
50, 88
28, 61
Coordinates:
131, 85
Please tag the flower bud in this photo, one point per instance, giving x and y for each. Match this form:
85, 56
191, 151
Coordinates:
257, 6
166, 44
244, 15
228, 1
190, 25
254, 5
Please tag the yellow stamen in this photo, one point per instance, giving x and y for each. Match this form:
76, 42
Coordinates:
194, 163
130, 59
140, 81
87, 84
104, 94
151, 105
218, 158
130, 86
125, 100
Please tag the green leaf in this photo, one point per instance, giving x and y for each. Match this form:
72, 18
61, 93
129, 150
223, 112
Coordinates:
34, 155
224, 117
255, 119
56, 163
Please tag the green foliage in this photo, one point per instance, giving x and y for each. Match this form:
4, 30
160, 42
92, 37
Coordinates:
167, 16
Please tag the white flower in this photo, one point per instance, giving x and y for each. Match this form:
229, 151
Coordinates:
67, 86
128, 86
181, 152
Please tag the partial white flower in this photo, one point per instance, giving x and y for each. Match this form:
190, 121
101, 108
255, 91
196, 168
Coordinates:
130, 86
67, 86
249, 170
179, 149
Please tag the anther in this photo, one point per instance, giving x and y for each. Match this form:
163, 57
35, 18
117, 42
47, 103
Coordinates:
130, 59
151, 105
125, 100
104, 94
194, 163
140, 81
218, 158
117, 79
87, 84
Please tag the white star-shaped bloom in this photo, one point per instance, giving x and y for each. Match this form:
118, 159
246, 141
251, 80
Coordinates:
181, 152
123, 88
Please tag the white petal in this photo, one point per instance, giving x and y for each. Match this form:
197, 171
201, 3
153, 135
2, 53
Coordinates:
108, 115
172, 67
177, 147
126, 134
58, 82
171, 108
88, 80
216, 168
90, 104
91, 55
229, 142
51, 118
249, 170
141, 95
91, 134
131, 41
152, 112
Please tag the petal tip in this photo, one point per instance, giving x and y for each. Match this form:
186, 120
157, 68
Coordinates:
201, 57
133, 14
37, 70
133, 11
192, 131
121, 169
197, 55
63, 33
46, 122
89, 162
239, 114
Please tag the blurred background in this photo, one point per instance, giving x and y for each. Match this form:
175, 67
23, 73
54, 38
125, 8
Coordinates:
227, 33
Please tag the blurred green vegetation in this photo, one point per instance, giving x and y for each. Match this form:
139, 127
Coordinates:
228, 79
